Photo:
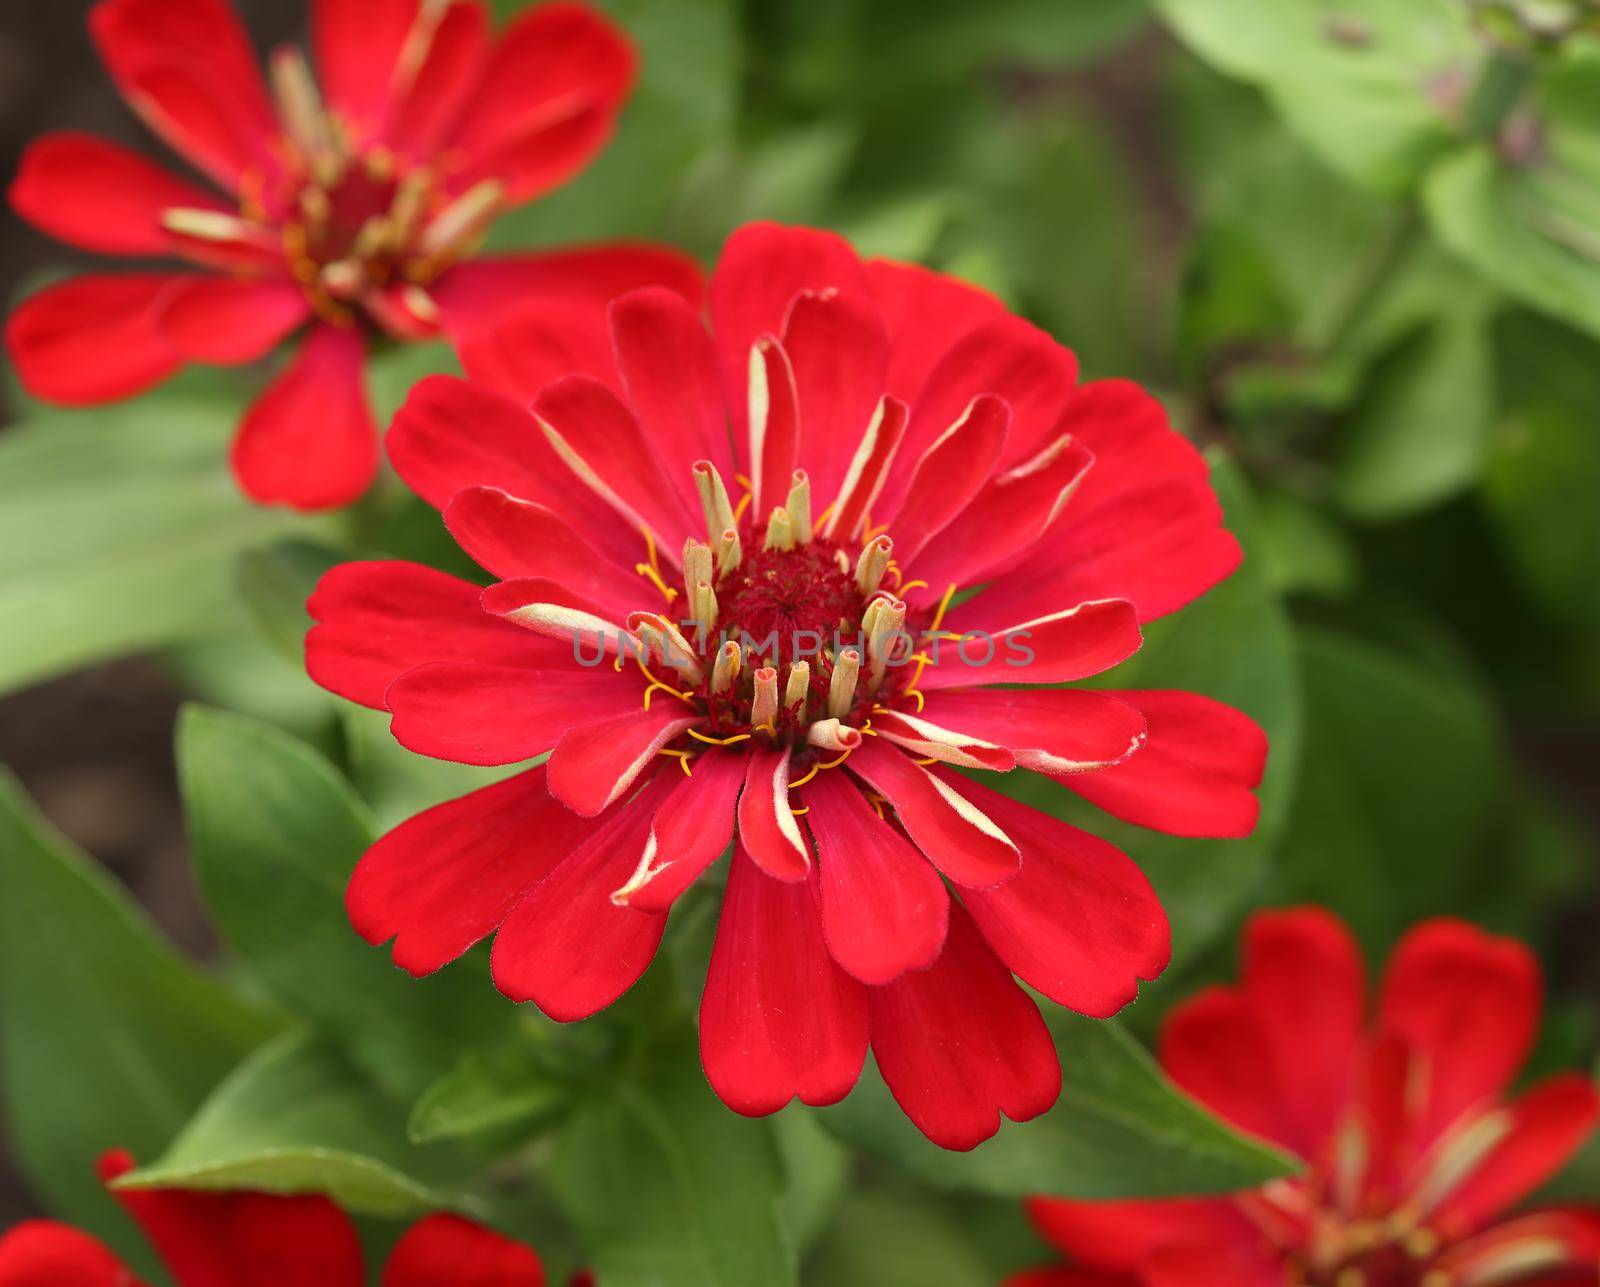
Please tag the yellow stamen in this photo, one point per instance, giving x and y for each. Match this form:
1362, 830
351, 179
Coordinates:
798, 507
714, 502
683, 758
842, 683
718, 741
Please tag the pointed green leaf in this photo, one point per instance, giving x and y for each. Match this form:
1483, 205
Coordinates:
110, 1038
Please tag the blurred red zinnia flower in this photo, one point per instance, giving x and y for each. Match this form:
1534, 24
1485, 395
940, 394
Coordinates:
1414, 1153
893, 438
355, 208
238, 1239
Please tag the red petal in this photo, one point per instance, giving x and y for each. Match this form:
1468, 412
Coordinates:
1133, 442
1304, 978
1048, 730
840, 354
187, 67
379, 619
961, 840
960, 1043
452, 435
866, 471
515, 538
241, 1239
602, 443
763, 266
1213, 1047
669, 369
99, 195
767, 826
950, 474
1195, 776
594, 765
1079, 921
358, 44
42, 1253
447, 1251
554, 64
471, 713
926, 738
1006, 357
92, 339
690, 832
449, 74
1213, 1266
443, 880
229, 319
1446, 985
567, 947
1547, 1126
1123, 1235
532, 344
774, 439
310, 441
1162, 546
1061, 1276
1060, 648
494, 288
1008, 516
884, 909
778, 1018
926, 313
1571, 1235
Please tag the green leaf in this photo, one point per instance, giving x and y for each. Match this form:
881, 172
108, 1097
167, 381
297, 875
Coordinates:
275, 832
1420, 431
1120, 1130
1361, 81
297, 1118
818, 1171
666, 1187
1303, 550
1543, 476
1398, 787
118, 532
486, 1093
110, 1038
1530, 221
276, 580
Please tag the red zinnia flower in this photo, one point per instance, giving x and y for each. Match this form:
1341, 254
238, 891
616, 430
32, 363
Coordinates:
904, 395
354, 214
249, 1239
1413, 1151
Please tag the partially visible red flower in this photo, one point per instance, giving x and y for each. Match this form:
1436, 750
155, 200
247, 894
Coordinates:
891, 438
353, 211
247, 1239
1415, 1153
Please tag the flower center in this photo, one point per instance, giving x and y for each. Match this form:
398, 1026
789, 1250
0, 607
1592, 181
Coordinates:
794, 639
362, 230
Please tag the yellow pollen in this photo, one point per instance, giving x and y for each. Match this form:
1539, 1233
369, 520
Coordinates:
717, 741
683, 758
801, 811
909, 586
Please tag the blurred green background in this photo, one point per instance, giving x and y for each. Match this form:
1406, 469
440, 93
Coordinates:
1354, 244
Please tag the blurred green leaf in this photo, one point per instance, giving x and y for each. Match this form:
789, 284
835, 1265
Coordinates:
817, 1170
118, 531
1398, 784
1303, 551
665, 1186
1375, 87
1526, 213
1120, 1130
1420, 431
903, 1238
275, 832
1542, 485
297, 1118
485, 1093
111, 1039
276, 580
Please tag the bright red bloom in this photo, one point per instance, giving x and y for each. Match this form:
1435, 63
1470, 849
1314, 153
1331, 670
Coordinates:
354, 215
260, 1240
1414, 1152
946, 447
